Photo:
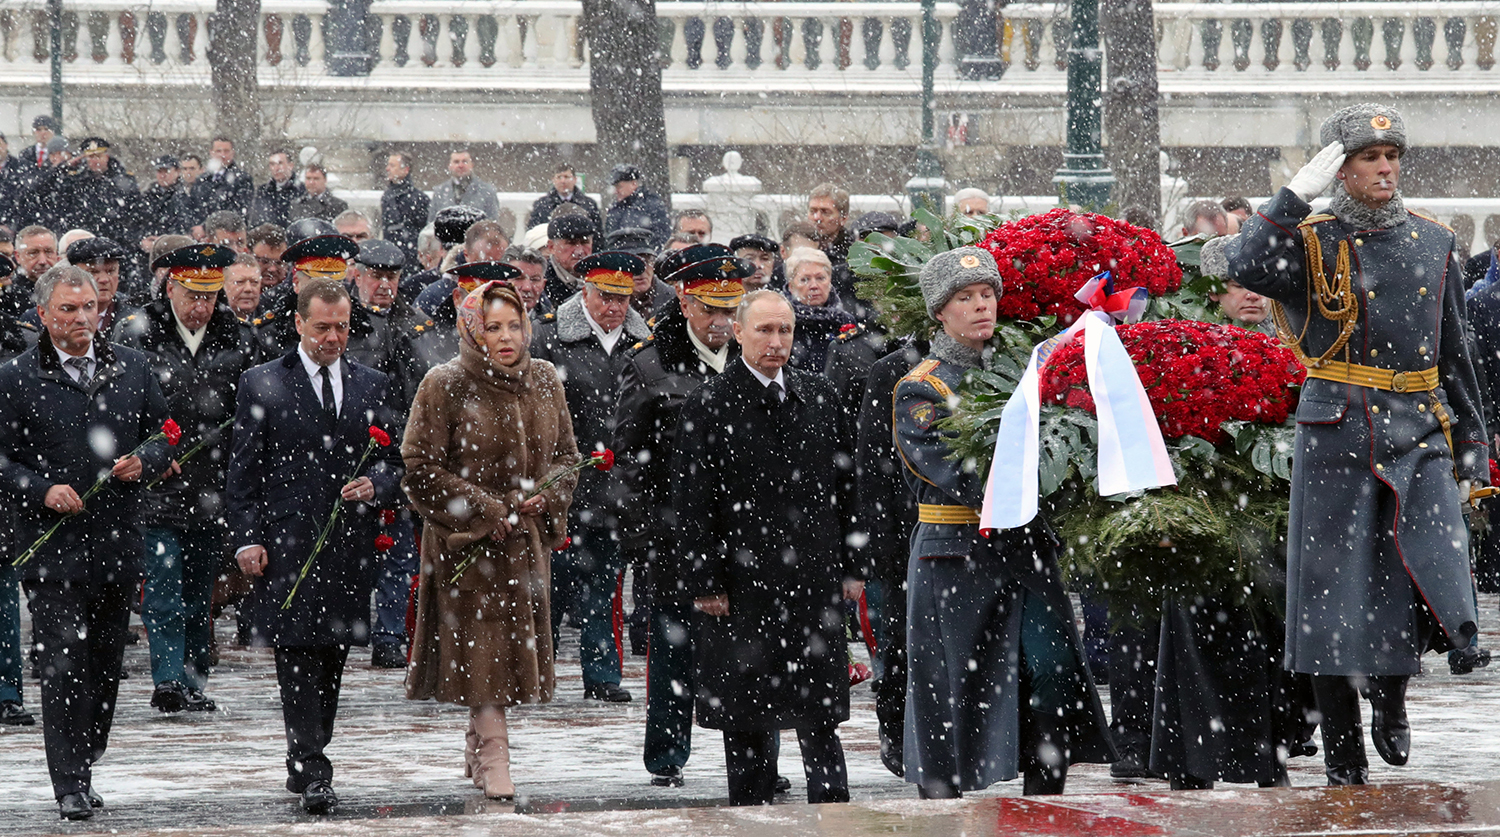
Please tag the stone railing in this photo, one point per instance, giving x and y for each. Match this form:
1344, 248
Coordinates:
849, 47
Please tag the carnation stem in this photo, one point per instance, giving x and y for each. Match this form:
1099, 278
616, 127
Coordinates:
338, 506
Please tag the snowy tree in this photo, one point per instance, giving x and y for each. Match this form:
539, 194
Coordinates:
232, 60
625, 84
1132, 115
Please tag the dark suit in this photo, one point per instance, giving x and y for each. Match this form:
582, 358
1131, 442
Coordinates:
288, 465
764, 495
54, 431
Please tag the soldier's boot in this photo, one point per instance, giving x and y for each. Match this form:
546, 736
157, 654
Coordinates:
492, 766
1389, 728
1343, 741
1045, 760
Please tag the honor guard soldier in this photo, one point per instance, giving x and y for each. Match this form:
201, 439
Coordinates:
997, 680
1390, 438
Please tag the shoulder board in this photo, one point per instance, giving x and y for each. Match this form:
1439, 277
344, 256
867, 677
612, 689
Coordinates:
1425, 217
1317, 218
923, 373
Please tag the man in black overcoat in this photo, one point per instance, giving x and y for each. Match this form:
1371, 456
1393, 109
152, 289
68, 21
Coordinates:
301, 425
764, 497
73, 411
693, 342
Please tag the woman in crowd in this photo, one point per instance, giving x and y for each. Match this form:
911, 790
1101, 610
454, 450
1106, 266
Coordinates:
485, 428
820, 313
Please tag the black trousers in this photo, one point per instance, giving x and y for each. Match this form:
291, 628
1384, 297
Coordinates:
750, 756
309, 678
79, 631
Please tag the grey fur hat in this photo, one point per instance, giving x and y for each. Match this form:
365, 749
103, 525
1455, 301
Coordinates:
1213, 259
1363, 125
949, 272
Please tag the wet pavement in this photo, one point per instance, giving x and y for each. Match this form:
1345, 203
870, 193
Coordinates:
577, 765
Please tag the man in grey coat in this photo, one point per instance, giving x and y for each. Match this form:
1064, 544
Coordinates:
1390, 438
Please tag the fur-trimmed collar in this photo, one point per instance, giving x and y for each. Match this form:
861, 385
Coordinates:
1345, 208
948, 350
573, 326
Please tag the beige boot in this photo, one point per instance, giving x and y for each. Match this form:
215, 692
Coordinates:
471, 751
492, 765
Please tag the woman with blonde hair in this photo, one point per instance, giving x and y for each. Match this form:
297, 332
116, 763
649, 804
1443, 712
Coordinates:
488, 429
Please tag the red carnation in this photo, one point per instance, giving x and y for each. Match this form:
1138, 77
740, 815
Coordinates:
567, 542
847, 327
173, 433
1044, 260
387, 516
381, 437
1494, 474
1196, 375
383, 543
604, 460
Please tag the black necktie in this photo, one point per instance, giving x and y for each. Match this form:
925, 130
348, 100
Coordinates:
330, 407
773, 394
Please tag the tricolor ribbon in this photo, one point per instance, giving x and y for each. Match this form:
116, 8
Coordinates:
1132, 455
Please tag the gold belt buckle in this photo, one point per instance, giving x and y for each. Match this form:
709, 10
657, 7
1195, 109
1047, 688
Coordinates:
1398, 382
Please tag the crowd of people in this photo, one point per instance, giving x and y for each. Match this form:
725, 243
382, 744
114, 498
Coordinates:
440, 443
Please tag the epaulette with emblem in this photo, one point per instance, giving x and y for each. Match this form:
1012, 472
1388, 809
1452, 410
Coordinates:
1425, 217
923, 373
1317, 218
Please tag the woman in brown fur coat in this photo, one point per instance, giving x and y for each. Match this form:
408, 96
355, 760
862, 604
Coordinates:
486, 429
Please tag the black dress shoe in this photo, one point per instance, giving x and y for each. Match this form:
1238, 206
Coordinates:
1131, 765
199, 702
75, 806
607, 692
95, 799
1347, 774
783, 784
387, 655
1465, 660
14, 714
671, 778
1302, 748
170, 696
318, 798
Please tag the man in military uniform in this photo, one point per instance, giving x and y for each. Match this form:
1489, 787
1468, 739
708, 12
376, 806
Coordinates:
375, 272
570, 239
652, 296
1390, 438
101, 257
588, 342
692, 342
198, 349
98, 195
483, 241
997, 680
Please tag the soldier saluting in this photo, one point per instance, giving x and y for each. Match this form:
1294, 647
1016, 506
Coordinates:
1389, 433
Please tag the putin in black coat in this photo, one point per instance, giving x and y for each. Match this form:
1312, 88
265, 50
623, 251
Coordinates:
302, 425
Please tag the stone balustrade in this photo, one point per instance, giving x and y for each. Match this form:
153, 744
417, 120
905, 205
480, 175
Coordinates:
865, 46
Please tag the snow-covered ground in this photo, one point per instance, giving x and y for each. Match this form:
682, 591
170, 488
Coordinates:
577, 764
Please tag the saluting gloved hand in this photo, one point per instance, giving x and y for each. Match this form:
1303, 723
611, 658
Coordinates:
1318, 174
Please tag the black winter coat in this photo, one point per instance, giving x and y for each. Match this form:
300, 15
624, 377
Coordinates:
547, 204
54, 431
764, 495
659, 375
816, 330
888, 509
200, 392
403, 214
591, 380
273, 202
161, 211
642, 209
230, 188
286, 471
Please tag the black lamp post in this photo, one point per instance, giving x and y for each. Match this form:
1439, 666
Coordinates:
1084, 176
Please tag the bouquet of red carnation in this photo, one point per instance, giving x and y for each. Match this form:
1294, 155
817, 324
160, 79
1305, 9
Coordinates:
378, 438
1197, 376
1044, 260
169, 431
602, 460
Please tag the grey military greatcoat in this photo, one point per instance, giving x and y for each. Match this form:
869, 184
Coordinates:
1377, 552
